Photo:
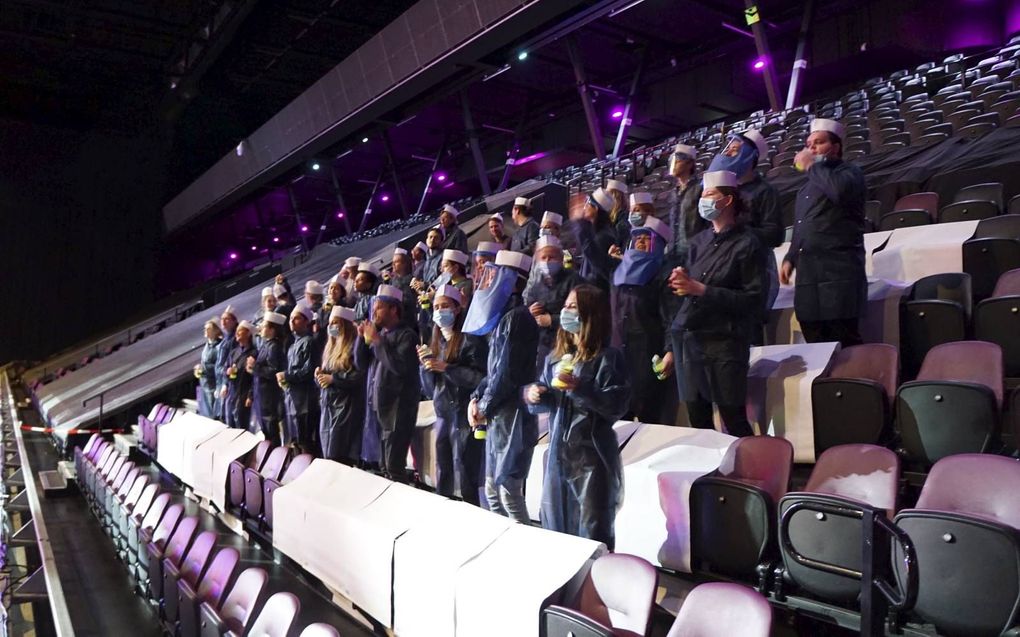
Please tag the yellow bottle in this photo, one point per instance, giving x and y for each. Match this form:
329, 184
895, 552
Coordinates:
565, 366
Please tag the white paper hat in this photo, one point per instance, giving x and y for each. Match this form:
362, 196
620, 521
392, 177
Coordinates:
685, 149
390, 292
513, 259
313, 287
397, 251
303, 309
496, 217
603, 199
489, 247
552, 217
345, 313
421, 246
352, 262
275, 317
368, 266
759, 141
828, 125
522, 201
333, 279
279, 290
456, 256
267, 291
615, 184
659, 227
548, 241
246, 324
450, 209
724, 178
450, 292
640, 198
231, 311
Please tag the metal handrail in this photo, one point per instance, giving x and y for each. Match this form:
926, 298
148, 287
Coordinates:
101, 395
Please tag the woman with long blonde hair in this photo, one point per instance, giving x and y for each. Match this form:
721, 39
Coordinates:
342, 390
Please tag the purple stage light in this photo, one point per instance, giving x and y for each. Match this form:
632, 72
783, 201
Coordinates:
254, 247
617, 114
384, 198
276, 239
759, 64
233, 255
304, 228
440, 176
339, 215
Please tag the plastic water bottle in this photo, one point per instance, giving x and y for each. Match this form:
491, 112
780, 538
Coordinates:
658, 366
481, 431
565, 366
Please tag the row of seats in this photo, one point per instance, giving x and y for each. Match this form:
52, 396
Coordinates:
980, 201
172, 562
955, 556
253, 479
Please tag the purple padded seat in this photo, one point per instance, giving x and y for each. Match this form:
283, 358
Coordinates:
189, 571
80, 453
1008, 284
116, 497
296, 467
619, 591
276, 616
760, 461
975, 484
272, 468
239, 606
319, 630
235, 472
877, 362
151, 548
211, 589
139, 497
866, 473
173, 554
965, 361
720, 608
143, 522
927, 201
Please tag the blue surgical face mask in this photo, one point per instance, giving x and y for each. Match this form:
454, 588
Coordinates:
707, 209
545, 232
636, 220
444, 318
570, 321
549, 268
334, 330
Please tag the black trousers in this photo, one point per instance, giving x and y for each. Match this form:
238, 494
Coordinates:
845, 331
734, 417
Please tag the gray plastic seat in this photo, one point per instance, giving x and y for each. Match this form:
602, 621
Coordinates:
237, 610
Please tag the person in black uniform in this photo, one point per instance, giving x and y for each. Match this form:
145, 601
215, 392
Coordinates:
723, 284
618, 214
365, 284
228, 323
548, 287
387, 353
498, 232
684, 220
238, 399
270, 359
205, 370
300, 412
827, 250
594, 235
418, 253
455, 237
527, 228
342, 395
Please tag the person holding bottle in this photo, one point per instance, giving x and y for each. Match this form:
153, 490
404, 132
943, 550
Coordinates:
238, 398
342, 390
586, 389
270, 359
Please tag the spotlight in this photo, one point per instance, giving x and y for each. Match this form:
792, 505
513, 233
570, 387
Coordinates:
254, 247
315, 166
759, 64
339, 215
440, 177
364, 140
617, 114
384, 198
523, 55
233, 255
276, 239
304, 228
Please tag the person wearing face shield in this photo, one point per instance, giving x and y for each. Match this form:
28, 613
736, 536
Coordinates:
722, 286
551, 226
455, 237
595, 237
497, 312
484, 253
684, 220
523, 240
637, 322
342, 391
264, 366
583, 485
296, 381
387, 353
238, 399
827, 250
548, 287
451, 368
228, 323
618, 212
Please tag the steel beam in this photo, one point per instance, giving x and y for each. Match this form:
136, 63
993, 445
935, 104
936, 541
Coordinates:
625, 121
371, 199
432, 174
761, 43
582, 89
297, 216
339, 198
476, 149
515, 148
397, 187
800, 59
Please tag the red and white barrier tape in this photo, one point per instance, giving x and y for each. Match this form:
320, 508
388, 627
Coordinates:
70, 432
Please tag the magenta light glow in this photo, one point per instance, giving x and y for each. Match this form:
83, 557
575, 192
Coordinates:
759, 64
233, 255
339, 215
276, 239
254, 247
384, 198
617, 114
304, 228
440, 177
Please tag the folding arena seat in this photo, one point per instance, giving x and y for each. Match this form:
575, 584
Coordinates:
238, 608
140, 497
846, 477
189, 571
172, 554
142, 520
117, 495
953, 406
873, 213
997, 320
721, 608
156, 536
617, 594
733, 509
92, 470
276, 617
852, 402
103, 479
966, 532
80, 453
937, 310
296, 467
993, 251
210, 590
917, 209
272, 468
319, 630
235, 472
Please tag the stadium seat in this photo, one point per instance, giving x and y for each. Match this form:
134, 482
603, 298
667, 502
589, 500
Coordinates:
953, 405
172, 554
619, 592
937, 311
133, 504
276, 617
272, 468
115, 498
926, 201
732, 509
847, 475
982, 192
715, 609
904, 219
237, 609
559, 621
966, 532
296, 467
985, 260
211, 588
155, 535
188, 571
997, 320
235, 472
852, 402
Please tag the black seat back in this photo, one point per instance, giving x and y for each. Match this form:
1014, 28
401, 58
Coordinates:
559, 621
